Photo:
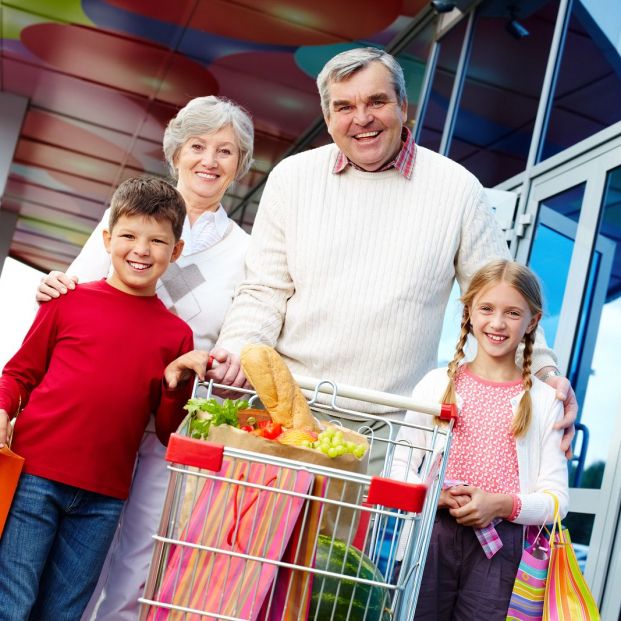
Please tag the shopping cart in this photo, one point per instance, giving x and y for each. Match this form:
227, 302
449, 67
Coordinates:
249, 536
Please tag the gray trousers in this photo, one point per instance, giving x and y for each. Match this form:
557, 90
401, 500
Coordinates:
459, 582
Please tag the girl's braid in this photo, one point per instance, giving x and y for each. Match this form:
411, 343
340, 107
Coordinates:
449, 395
522, 418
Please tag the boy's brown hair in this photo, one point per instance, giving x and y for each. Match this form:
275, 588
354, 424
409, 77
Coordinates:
148, 196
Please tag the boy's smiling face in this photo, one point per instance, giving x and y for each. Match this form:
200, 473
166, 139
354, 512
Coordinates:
141, 249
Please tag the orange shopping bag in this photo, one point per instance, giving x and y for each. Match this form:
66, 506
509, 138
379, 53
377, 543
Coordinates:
10, 468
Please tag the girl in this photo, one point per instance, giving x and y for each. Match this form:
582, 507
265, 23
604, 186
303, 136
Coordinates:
504, 455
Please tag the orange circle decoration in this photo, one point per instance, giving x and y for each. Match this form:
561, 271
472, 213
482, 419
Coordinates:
106, 58
276, 22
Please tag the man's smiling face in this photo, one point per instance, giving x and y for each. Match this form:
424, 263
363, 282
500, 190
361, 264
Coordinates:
366, 119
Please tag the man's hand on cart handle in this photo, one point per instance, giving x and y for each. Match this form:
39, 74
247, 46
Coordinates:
224, 367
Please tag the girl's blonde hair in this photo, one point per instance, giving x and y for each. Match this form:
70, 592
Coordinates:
526, 283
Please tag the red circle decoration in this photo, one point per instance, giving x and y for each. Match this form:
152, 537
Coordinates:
275, 22
135, 66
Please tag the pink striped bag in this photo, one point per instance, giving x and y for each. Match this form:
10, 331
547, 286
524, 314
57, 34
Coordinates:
232, 518
526, 602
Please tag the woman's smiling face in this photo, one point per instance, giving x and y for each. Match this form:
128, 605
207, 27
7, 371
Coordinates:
206, 166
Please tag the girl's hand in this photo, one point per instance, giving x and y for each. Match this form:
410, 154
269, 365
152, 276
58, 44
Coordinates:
482, 508
448, 500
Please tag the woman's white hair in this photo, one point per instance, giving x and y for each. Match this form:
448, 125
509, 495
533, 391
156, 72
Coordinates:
343, 65
207, 115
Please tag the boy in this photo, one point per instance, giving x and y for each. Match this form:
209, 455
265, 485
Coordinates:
89, 373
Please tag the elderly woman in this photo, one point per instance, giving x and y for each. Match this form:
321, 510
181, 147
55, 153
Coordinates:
207, 146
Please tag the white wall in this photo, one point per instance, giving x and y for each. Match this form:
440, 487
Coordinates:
18, 284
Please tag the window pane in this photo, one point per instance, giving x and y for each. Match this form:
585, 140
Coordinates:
596, 360
588, 89
551, 251
413, 60
501, 93
441, 87
580, 526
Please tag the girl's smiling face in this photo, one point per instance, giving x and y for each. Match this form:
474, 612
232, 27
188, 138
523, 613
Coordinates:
500, 317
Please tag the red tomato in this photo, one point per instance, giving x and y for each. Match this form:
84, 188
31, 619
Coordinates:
270, 429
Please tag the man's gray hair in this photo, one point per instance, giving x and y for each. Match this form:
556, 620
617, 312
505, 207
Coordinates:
207, 115
345, 64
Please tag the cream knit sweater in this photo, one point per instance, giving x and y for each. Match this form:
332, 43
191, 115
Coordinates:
348, 275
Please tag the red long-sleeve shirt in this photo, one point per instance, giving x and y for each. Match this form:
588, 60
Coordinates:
90, 373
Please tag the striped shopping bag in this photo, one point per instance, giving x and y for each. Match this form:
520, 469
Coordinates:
530, 582
237, 522
567, 596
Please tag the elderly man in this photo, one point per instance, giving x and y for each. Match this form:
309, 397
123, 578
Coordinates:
356, 246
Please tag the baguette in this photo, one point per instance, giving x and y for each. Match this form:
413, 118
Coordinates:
278, 391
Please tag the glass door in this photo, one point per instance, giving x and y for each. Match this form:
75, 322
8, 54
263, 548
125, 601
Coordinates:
574, 246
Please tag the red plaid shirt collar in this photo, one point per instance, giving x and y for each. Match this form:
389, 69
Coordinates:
404, 162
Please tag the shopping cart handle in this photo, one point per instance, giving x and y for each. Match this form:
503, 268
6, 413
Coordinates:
443, 411
375, 396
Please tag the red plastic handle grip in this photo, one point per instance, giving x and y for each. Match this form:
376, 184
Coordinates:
448, 411
397, 494
197, 453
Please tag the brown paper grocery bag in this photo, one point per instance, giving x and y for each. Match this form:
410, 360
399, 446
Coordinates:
11, 466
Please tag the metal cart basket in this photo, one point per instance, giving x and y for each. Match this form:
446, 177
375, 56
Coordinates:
252, 536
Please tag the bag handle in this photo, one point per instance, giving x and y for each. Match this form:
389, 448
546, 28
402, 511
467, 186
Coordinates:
239, 515
9, 439
556, 503
543, 526
557, 528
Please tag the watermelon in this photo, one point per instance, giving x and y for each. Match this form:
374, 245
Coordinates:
338, 599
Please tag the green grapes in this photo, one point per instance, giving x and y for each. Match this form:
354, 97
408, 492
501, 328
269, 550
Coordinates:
331, 442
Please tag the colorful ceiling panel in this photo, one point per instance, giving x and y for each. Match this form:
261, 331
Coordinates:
103, 77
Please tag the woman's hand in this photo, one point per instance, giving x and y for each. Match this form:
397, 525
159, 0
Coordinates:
482, 508
183, 368
55, 284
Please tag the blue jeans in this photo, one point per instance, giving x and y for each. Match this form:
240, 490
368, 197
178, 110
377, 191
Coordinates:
53, 547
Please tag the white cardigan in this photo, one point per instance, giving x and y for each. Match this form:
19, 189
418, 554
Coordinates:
541, 463
199, 287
